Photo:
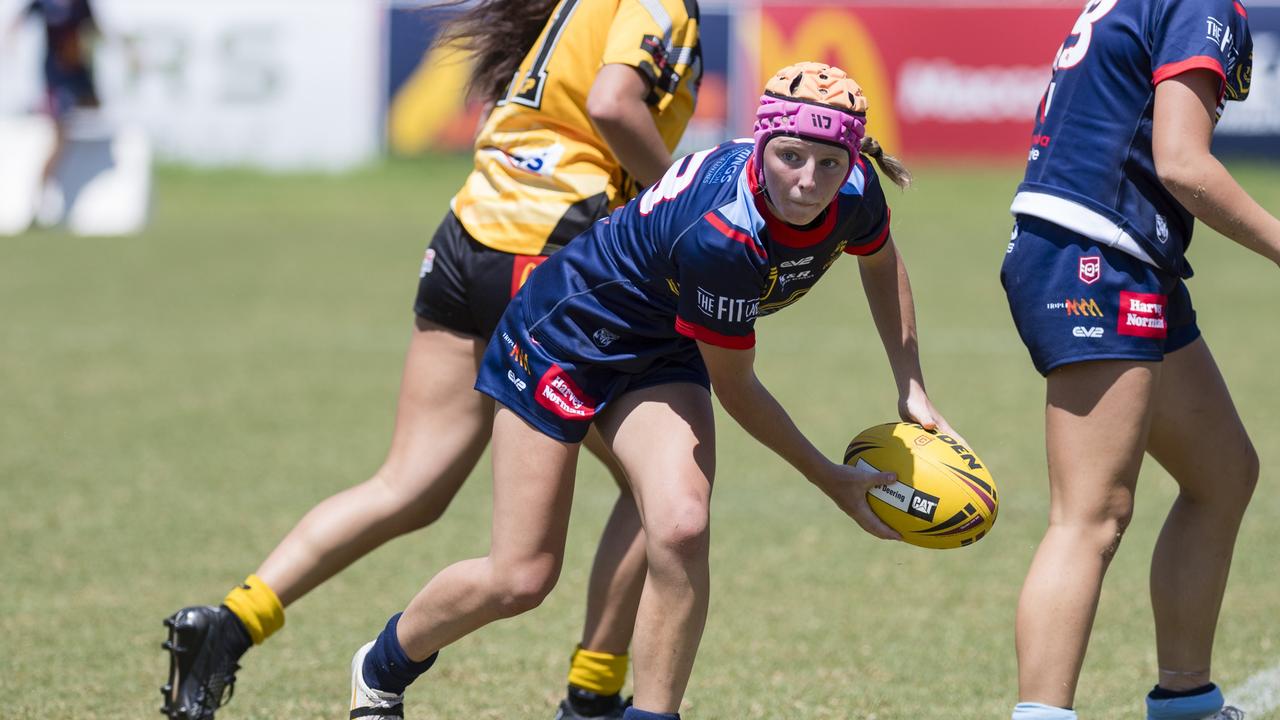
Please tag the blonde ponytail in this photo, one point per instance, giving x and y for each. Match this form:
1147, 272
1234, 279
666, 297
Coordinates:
889, 164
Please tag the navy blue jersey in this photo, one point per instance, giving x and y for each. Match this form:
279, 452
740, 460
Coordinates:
62, 15
696, 256
63, 21
1090, 168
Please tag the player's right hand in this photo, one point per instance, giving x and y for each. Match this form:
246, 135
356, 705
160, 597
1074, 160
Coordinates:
848, 487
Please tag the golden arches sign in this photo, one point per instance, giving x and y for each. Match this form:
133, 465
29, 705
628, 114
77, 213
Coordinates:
838, 37
433, 96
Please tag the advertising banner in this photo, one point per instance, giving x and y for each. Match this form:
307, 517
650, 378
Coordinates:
259, 82
266, 83
944, 80
426, 108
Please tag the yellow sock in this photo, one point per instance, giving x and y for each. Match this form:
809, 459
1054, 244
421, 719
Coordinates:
257, 607
599, 672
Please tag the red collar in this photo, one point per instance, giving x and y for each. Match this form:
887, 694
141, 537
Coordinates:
785, 233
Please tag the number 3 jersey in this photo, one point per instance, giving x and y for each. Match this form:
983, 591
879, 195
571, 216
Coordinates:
1090, 167
697, 256
542, 171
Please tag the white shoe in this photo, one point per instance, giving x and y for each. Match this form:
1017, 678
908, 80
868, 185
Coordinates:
1227, 713
369, 703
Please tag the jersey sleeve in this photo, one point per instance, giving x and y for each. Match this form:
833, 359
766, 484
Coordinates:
721, 282
660, 39
872, 229
1202, 35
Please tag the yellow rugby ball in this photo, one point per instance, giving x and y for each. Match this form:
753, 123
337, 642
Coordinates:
944, 496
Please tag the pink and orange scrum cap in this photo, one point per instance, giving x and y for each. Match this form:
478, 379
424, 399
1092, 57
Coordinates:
813, 101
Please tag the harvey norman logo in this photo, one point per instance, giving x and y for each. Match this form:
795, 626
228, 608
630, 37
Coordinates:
559, 394
727, 309
1142, 315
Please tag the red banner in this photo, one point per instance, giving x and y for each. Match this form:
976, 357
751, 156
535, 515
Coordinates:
950, 81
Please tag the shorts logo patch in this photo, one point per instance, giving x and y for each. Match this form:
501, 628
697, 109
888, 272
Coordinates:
1143, 315
1086, 332
558, 393
428, 262
519, 357
520, 384
521, 266
1090, 269
1162, 229
1086, 307
603, 337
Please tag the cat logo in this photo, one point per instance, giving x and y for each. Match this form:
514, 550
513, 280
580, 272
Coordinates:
922, 506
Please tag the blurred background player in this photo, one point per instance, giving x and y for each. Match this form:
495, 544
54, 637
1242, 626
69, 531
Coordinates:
68, 74
589, 101
626, 330
1095, 273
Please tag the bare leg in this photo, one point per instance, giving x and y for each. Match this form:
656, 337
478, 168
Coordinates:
1197, 436
617, 575
665, 438
532, 496
442, 427
1096, 423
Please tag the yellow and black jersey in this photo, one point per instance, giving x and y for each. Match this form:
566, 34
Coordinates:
542, 173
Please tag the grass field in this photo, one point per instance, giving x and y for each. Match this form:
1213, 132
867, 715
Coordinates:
172, 403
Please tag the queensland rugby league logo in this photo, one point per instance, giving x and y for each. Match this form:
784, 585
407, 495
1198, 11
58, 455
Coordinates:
1090, 269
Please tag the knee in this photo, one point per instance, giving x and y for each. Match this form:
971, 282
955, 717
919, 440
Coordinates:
1110, 531
1235, 476
1246, 479
410, 500
1101, 530
681, 535
521, 587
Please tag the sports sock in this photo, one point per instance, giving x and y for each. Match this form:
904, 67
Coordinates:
1185, 705
1038, 711
387, 667
599, 672
634, 714
257, 607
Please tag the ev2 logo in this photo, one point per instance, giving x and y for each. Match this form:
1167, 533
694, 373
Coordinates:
1086, 332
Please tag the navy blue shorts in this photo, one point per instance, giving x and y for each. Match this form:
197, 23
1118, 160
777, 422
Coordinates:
1074, 300
67, 90
557, 394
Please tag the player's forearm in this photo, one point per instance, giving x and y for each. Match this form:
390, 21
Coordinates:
753, 407
888, 291
1209, 192
634, 139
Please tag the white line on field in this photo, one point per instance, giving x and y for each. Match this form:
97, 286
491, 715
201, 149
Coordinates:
1259, 694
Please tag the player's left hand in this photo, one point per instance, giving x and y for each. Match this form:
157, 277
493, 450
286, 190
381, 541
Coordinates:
915, 406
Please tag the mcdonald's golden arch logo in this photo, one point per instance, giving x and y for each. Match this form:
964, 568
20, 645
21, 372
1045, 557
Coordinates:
834, 35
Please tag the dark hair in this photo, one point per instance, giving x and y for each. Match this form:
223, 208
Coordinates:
889, 164
495, 34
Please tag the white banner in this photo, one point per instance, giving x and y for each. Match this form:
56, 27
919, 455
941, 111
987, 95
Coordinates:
281, 84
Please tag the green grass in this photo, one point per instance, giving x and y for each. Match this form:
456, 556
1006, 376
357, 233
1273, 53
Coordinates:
172, 403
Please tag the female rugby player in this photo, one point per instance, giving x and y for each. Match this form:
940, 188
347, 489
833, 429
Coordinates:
1118, 172
625, 330
69, 86
590, 99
